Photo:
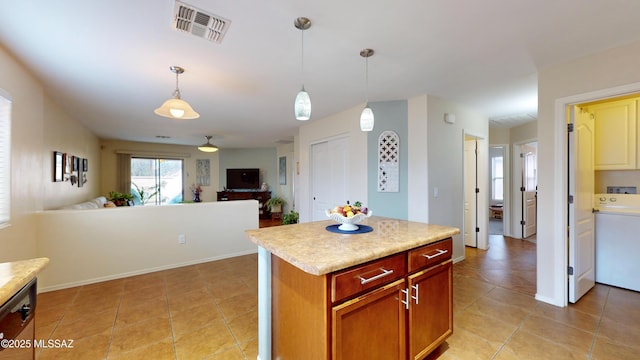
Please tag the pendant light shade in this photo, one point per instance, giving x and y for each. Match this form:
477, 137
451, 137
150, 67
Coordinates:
302, 104
208, 147
176, 108
366, 117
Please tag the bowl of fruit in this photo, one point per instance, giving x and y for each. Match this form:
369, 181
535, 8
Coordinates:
349, 215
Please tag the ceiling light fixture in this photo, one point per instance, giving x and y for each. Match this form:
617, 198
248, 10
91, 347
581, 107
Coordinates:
176, 108
208, 147
302, 105
366, 118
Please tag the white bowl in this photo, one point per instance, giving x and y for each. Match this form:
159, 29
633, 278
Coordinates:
348, 223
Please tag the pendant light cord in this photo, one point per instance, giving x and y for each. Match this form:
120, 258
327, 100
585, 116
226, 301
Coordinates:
302, 56
366, 75
176, 92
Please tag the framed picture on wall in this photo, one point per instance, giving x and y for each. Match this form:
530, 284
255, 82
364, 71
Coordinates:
58, 166
282, 170
66, 160
85, 165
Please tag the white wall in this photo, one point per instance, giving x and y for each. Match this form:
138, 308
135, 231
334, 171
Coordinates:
578, 80
418, 159
445, 159
340, 124
87, 246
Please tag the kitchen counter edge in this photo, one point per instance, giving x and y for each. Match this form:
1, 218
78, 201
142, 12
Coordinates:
15, 275
324, 253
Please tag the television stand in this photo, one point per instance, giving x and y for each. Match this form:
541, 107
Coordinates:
261, 196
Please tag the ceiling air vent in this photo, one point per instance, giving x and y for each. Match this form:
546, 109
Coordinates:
190, 19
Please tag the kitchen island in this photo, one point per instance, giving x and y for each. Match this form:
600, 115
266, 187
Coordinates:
384, 294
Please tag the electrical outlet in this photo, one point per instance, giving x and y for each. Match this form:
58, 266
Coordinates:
182, 239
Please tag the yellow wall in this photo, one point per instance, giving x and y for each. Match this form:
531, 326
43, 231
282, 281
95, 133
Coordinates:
38, 128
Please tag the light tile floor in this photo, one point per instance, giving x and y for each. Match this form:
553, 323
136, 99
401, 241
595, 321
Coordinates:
209, 311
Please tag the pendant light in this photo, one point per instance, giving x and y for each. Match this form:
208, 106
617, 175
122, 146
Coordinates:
302, 104
176, 108
208, 147
366, 117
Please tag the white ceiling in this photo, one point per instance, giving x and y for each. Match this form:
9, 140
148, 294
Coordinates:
107, 61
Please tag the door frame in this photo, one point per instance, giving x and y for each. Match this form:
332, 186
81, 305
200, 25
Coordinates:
482, 212
560, 165
506, 187
516, 183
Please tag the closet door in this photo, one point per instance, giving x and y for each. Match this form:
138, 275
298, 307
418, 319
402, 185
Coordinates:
329, 176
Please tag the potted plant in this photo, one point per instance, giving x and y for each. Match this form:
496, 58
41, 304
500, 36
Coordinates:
120, 199
143, 194
290, 218
274, 204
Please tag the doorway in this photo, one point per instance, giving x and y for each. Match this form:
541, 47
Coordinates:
497, 190
525, 190
561, 250
475, 200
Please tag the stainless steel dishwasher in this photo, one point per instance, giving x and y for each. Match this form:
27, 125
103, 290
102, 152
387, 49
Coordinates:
17, 325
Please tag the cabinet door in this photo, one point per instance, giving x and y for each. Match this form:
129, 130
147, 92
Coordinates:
431, 309
371, 326
615, 135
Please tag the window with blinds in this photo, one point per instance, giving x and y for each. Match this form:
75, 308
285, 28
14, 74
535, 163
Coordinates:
5, 159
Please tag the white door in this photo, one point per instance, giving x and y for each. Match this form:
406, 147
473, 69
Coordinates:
329, 181
581, 219
470, 195
529, 196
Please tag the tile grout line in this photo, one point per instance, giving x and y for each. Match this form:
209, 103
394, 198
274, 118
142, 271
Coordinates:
173, 335
504, 344
113, 327
595, 333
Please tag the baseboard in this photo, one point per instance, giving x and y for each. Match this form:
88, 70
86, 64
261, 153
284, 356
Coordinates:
141, 272
548, 300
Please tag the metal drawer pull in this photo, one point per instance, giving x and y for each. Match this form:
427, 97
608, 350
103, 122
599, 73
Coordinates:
415, 287
440, 252
379, 276
406, 298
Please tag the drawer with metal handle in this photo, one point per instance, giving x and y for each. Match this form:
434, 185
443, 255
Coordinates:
355, 280
429, 255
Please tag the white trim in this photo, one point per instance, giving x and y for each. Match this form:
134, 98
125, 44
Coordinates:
560, 257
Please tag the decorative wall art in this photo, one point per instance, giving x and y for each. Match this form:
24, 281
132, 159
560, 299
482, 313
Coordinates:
67, 167
58, 166
282, 170
203, 172
388, 161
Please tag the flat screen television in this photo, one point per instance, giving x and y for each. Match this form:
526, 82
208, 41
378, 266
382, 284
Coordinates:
243, 179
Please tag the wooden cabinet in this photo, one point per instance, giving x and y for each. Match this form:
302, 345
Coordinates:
616, 135
261, 196
397, 307
430, 310
430, 286
371, 326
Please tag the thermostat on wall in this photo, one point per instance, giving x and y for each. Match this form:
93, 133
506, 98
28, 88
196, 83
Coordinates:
449, 118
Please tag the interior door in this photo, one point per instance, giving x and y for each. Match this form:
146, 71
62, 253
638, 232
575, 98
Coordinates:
470, 195
529, 196
581, 217
329, 176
